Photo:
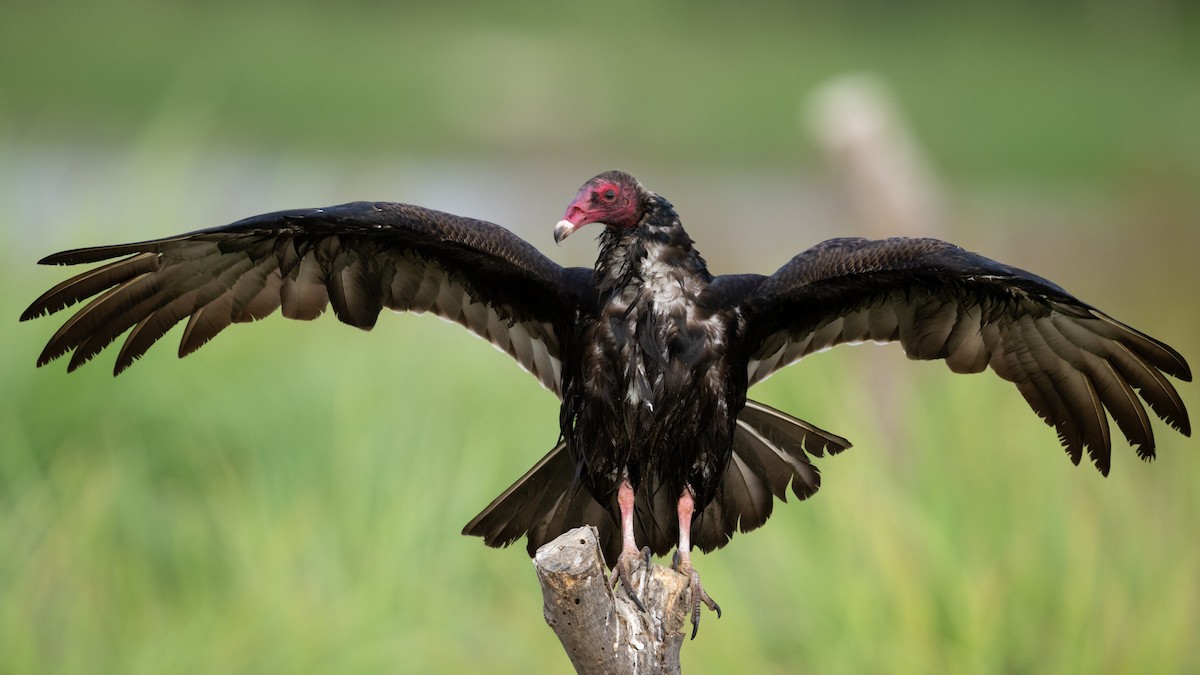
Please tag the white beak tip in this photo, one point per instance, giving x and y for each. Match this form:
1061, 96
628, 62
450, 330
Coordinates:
563, 229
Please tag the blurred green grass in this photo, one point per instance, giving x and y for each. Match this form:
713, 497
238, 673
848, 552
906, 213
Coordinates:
1000, 91
289, 498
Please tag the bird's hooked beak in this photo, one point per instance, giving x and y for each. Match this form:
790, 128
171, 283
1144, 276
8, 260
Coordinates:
563, 229
575, 218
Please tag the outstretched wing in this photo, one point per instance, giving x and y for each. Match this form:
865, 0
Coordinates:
1069, 360
359, 257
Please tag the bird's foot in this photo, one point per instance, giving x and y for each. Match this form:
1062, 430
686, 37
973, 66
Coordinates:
623, 571
699, 595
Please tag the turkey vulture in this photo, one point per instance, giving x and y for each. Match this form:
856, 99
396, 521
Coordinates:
650, 354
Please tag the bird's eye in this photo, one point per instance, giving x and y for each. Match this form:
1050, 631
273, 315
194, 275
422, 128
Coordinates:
609, 195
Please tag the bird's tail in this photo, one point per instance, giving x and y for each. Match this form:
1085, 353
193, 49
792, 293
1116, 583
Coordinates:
547, 501
770, 451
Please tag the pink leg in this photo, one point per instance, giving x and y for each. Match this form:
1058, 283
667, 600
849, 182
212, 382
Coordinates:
625, 499
683, 559
629, 550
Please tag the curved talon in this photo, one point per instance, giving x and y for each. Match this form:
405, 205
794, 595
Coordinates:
624, 574
699, 595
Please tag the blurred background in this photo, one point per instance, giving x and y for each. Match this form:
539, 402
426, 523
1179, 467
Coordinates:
289, 498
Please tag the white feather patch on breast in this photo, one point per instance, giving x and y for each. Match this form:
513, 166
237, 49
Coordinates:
670, 293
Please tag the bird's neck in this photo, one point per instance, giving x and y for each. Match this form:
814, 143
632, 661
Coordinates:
657, 251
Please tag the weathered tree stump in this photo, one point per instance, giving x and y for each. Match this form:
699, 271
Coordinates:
601, 630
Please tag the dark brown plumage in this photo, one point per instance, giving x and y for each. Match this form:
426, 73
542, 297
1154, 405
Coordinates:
651, 355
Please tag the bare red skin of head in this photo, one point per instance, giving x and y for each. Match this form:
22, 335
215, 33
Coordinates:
612, 198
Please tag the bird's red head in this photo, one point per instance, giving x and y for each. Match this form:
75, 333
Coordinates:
613, 198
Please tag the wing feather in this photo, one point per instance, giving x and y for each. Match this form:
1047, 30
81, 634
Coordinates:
356, 258
1073, 364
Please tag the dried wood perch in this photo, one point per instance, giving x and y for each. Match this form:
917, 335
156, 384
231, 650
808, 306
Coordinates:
603, 631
